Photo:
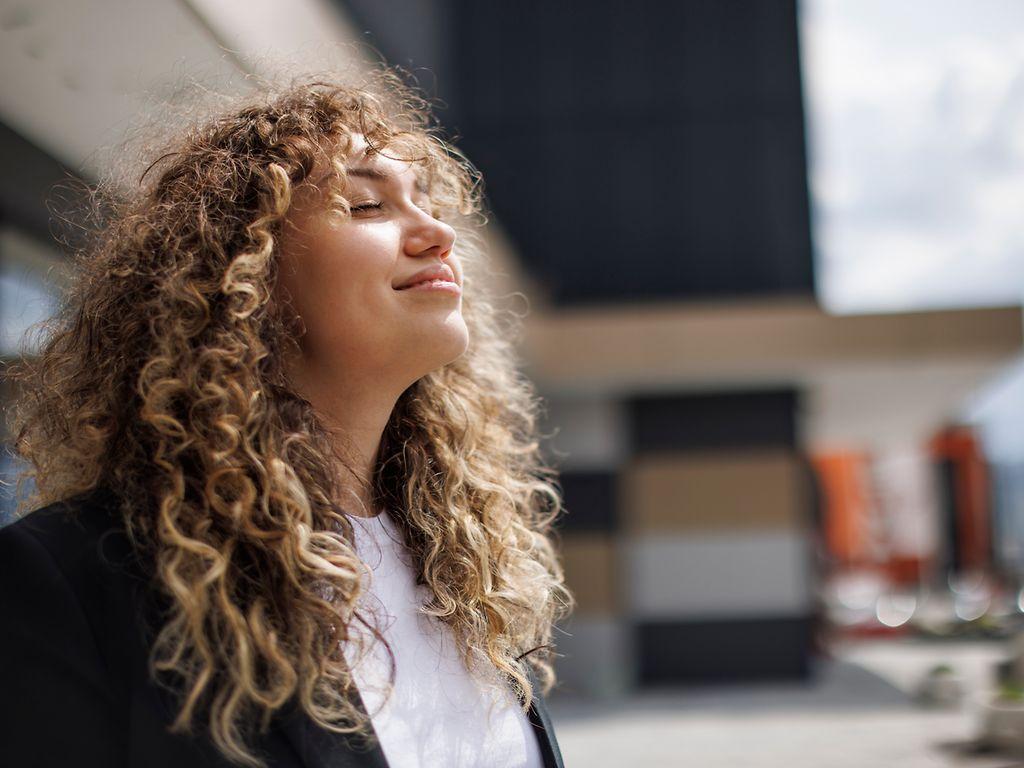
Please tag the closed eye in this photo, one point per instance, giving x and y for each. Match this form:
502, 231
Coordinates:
365, 207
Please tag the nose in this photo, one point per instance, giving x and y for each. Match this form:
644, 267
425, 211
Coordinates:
428, 236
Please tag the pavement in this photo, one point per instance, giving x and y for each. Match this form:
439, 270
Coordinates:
857, 712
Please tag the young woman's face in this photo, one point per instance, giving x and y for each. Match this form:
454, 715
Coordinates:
345, 277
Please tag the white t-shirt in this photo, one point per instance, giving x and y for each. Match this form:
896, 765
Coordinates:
438, 714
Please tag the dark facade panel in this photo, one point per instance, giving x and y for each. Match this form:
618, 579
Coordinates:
31, 183
634, 152
697, 422
590, 500
729, 650
643, 151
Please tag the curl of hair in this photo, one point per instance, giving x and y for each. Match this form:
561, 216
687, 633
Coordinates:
161, 377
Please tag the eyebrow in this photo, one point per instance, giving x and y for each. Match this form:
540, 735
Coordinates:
375, 174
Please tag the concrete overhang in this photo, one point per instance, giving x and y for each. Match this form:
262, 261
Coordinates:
868, 379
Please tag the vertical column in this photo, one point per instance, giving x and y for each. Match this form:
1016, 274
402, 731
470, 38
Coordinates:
589, 447
965, 499
716, 538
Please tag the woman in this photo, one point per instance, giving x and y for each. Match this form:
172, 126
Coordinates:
293, 511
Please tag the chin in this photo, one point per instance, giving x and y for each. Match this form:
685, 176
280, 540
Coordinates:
445, 344
457, 341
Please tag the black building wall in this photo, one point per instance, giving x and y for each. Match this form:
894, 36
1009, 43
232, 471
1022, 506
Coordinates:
634, 151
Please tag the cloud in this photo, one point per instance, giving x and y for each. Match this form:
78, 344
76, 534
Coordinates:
916, 146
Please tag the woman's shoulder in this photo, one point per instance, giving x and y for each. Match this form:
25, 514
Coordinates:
64, 646
77, 536
70, 579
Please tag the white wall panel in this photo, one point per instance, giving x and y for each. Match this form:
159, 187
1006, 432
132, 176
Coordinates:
680, 577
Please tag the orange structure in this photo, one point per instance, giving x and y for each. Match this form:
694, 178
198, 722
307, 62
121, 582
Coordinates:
967, 482
844, 479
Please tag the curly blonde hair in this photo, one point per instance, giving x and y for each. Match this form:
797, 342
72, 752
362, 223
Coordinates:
162, 378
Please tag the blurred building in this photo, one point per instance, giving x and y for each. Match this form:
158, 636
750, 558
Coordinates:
648, 164
647, 167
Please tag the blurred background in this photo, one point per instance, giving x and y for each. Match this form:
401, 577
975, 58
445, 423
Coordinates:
774, 260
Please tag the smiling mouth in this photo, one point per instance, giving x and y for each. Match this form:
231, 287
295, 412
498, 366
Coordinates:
435, 284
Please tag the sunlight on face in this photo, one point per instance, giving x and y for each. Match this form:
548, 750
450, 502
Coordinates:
343, 276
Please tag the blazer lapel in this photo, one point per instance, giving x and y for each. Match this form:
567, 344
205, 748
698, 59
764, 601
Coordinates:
320, 748
541, 721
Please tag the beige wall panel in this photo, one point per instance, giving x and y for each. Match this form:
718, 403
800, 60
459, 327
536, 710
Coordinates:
591, 572
719, 491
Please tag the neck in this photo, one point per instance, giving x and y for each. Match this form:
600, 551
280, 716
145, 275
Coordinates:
355, 411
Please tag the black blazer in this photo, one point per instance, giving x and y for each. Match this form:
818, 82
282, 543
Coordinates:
74, 684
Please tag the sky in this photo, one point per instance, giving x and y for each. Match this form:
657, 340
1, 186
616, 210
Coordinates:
915, 117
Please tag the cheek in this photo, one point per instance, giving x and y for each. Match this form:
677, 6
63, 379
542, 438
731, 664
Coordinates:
342, 287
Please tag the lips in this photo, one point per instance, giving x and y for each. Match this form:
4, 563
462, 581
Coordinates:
433, 272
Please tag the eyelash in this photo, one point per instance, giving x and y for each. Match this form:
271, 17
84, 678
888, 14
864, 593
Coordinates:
365, 207
377, 206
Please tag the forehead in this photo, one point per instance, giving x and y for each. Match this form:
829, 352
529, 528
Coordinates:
384, 165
